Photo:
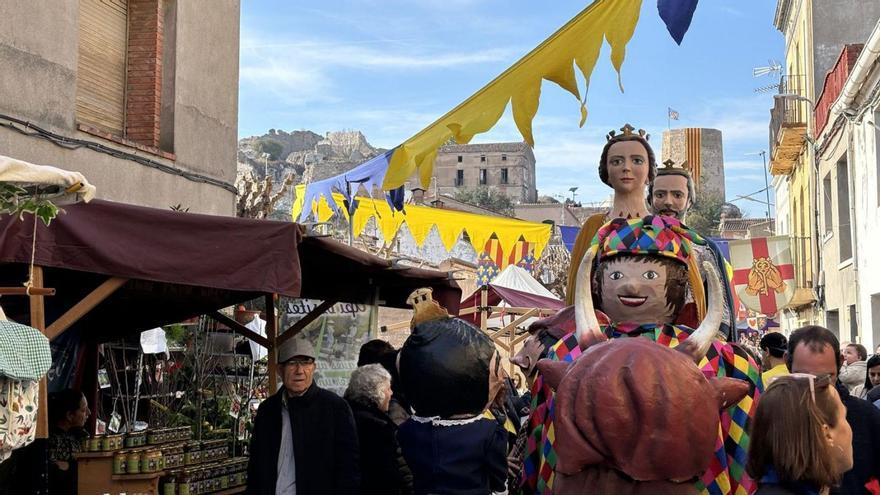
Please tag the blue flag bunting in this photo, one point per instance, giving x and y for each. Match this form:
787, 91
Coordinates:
569, 236
677, 15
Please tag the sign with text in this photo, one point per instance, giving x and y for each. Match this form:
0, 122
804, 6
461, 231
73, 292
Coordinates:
337, 335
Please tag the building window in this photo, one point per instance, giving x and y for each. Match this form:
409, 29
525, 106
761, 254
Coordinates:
503, 158
482, 176
827, 214
844, 231
483, 158
125, 70
832, 321
459, 178
504, 176
459, 158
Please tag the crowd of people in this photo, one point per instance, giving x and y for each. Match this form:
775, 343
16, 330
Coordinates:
811, 434
795, 415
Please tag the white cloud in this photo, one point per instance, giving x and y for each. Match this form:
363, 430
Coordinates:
304, 71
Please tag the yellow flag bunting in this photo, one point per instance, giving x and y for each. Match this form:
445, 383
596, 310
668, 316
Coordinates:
577, 43
420, 220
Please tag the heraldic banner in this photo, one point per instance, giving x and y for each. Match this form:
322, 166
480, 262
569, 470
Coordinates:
763, 276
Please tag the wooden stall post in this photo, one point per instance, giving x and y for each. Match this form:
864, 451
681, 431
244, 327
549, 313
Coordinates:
41, 444
38, 321
484, 302
272, 336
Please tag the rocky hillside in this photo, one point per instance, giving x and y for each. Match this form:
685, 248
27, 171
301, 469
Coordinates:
305, 155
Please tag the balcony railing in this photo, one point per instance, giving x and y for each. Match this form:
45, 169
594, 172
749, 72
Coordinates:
802, 258
788, 130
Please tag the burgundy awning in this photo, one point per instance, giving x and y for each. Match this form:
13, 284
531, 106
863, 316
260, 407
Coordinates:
181, 265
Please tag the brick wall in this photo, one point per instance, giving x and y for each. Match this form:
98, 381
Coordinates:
834, 82
143, 107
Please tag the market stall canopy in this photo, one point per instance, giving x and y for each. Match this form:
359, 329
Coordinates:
514, 277
60, 186
499, 295
172, 266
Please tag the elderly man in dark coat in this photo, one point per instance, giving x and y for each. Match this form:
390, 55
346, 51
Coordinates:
304, 440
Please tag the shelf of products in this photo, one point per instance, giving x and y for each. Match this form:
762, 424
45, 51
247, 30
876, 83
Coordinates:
160, 461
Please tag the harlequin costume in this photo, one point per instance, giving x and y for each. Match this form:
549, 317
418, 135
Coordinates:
665, 237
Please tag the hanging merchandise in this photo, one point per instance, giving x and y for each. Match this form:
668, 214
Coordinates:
421, 220
24, 359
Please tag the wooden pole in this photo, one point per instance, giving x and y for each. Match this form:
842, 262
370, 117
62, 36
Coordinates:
484, 301
272, 337
24, 291
41, 444
38, 321
239, 328
86, 304
303, 322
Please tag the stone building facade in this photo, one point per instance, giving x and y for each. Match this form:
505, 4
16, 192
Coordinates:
815, 33
702, 150
506, 167
141, 96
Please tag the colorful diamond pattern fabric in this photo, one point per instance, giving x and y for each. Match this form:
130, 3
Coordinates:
664, 236
726, 474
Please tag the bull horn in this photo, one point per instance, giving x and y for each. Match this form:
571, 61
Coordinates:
587, 327
697, 345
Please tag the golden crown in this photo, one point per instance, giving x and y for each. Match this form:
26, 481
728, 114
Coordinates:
669, 167
627, 131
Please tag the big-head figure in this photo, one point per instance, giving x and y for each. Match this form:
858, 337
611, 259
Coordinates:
627, 165
644, 267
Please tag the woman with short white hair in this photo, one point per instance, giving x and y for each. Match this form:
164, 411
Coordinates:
383, 470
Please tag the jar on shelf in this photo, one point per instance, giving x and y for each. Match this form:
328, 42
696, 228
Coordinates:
183, 483
169, 484
119, 462
133, 462
95, 443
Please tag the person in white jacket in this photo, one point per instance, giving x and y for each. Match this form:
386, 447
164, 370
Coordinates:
854, 370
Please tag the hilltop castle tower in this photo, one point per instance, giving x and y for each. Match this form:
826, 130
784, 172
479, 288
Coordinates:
702, 150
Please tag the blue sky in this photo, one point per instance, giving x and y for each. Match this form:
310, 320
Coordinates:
390, 67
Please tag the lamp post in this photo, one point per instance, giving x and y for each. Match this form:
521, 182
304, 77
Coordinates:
573, 192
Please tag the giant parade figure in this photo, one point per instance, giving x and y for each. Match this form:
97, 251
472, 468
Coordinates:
672, 193
619, 406
648, 274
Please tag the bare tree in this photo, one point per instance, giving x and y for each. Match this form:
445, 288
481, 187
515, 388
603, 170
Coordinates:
256, 198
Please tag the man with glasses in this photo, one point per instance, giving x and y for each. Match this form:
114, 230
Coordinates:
814, 350
304, 439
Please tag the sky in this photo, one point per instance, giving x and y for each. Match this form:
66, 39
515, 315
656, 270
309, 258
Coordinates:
391, 67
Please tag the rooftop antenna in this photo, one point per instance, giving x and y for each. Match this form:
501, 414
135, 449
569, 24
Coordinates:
773, 67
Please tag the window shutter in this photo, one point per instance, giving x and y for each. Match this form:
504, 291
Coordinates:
100, 91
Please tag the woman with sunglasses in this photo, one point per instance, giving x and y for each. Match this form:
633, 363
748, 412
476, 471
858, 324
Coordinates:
801, 443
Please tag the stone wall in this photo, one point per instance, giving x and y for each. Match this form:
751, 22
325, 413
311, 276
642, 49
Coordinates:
704, 144
39, 52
